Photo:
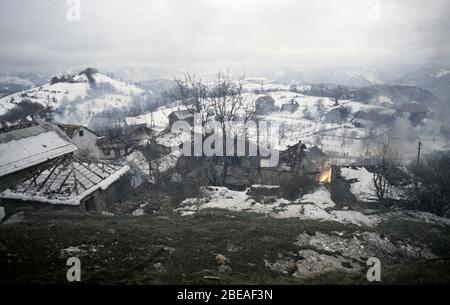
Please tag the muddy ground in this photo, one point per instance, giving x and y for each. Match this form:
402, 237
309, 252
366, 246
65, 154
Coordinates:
218, 247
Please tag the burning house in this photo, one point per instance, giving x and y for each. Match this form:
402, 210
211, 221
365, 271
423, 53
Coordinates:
326, 175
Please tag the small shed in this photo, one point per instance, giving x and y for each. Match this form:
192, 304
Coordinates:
334, 115
292, 106
264, 105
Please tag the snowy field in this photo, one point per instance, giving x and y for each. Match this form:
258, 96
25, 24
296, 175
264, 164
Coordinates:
316, 205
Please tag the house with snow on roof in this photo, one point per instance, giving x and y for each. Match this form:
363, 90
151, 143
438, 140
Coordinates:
181, 115
84, 138
25, 148
38, 167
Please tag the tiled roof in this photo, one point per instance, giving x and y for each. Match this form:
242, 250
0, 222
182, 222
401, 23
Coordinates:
67, 180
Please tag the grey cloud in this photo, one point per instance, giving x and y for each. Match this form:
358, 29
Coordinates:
218, 34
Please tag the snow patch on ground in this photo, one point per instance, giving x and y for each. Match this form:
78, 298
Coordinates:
223, 198
363, 187
321, 197
79, 251
138, 212
418, 216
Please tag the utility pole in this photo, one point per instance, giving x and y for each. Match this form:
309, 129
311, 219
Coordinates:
418, 152
152, 120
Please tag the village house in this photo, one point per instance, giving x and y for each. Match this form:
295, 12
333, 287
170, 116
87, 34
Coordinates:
334, 115
264, 105
84, 138
414, 111
293, 156
139, 134
113, 146
25, 148
39, 168
68, 181
315, 154
119, 142
181, 115
372, 118
292, 106
152, 165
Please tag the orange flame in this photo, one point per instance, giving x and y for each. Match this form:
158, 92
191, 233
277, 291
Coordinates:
325, 176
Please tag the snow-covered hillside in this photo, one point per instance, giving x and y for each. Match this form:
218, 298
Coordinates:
348, 129
78, 100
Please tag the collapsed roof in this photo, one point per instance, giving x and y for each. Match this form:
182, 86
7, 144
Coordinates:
67, 180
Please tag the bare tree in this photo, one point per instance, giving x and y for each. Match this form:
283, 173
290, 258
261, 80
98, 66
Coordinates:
384, 164
193, 93
222, 99
429, 184
152, 154
338, 94
227, 104
320, 107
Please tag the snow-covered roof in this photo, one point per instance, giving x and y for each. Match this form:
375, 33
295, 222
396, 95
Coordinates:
67, 180
23, 148
181, 114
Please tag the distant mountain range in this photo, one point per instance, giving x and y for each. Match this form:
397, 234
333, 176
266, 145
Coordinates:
12, 83
436, 80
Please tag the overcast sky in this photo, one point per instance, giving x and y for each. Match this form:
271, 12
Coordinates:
215, 34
